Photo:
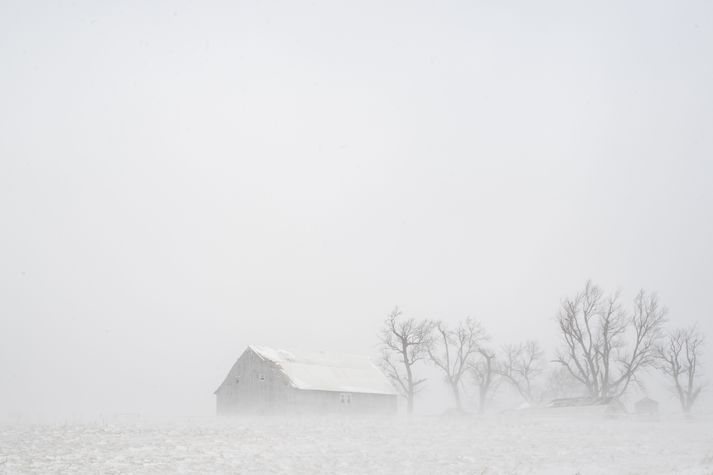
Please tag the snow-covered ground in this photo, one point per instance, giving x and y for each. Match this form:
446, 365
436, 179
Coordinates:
504, 444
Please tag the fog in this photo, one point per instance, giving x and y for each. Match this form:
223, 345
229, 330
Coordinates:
179, 180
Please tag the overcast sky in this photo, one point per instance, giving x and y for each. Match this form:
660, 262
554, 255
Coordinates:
181, 179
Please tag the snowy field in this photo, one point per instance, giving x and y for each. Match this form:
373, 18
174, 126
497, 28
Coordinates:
429, 445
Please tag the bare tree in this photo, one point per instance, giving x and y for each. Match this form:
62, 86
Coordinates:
521, 365
484, 372
679, 358
559, 383
604, 347
453, 351
404, 342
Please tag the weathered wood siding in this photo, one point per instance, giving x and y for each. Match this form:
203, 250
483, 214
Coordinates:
335, 402
254, 385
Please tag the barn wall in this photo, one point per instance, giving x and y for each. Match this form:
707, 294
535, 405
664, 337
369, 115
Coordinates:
252, 385
343, 403
257, 386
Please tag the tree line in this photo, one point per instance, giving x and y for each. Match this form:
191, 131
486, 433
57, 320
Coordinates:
605, 347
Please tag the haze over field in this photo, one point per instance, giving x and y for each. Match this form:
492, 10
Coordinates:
179, 180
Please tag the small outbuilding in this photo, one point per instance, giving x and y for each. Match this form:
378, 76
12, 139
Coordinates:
646, 406
267, 380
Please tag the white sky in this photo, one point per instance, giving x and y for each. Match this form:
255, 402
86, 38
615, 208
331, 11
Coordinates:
181, 179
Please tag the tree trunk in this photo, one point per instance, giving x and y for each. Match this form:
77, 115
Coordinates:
456, 395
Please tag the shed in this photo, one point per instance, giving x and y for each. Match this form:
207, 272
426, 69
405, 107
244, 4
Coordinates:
268, 380
646, 405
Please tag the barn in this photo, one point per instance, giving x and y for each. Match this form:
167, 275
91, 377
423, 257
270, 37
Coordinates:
267, 380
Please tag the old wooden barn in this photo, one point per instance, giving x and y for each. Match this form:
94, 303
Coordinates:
267, 380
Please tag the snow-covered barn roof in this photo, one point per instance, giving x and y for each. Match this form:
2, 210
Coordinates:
581, 401
327, 371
